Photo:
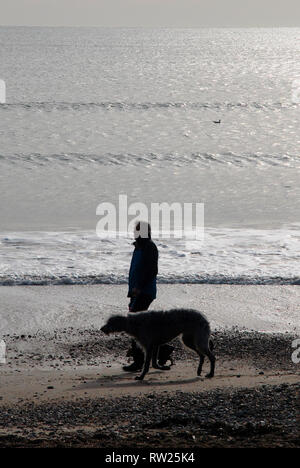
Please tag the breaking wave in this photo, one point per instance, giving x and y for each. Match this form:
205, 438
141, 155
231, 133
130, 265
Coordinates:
34, 280
226, 256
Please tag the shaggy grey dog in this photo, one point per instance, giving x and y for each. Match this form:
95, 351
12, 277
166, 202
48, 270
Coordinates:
154, 328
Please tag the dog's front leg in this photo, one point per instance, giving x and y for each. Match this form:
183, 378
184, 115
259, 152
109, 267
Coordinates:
148, 354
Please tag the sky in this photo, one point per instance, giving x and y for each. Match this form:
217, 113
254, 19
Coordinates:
151, 13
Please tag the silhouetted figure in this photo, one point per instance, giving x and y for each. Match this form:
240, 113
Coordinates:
142, 287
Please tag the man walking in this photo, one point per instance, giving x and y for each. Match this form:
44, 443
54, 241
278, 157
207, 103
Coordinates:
142, 282
142, 286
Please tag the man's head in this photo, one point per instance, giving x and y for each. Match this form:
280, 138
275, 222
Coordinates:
116, 323
142, 230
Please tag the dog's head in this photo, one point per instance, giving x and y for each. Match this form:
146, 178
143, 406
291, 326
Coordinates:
116, 323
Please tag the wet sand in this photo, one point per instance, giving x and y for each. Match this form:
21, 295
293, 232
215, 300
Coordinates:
270, 308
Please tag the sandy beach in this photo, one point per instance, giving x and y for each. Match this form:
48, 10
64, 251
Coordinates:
65, 386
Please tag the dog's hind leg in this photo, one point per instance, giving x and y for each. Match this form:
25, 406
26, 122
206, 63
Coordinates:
204, 348
212, 360
189, 342
207, 352
148, 356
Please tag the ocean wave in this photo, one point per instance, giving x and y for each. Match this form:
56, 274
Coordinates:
197, 159
33, 280
226, 256
128, 106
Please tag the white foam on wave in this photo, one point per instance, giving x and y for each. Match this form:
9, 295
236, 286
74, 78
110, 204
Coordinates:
241, 256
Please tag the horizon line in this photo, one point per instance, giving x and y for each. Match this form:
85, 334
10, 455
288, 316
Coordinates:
147, 27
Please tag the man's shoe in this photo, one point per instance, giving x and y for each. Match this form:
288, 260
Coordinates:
164, 354
134, 367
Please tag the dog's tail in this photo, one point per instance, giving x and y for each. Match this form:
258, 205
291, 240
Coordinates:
211, 344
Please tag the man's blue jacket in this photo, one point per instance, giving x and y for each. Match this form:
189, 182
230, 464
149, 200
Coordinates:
143, 267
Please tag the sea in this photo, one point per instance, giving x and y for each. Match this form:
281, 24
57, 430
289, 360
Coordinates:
209, 116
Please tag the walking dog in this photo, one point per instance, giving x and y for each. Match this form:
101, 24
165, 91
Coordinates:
154, 328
